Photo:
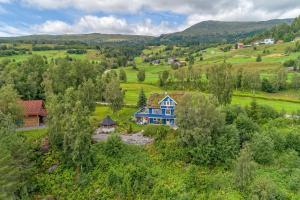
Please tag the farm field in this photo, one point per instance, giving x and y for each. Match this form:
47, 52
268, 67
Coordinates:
91, 55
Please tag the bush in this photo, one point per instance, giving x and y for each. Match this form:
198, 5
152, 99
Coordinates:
258, 59
158, 132
289, 63
293, 140
262, 147
266, 86
246, 128
264, 189
114, 146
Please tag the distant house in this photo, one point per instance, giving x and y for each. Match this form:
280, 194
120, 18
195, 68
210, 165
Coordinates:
171, 60
34, 112
240, 45
160, 109
267, 41
156, 62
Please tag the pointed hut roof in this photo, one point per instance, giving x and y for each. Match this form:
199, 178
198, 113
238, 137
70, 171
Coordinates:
107, 121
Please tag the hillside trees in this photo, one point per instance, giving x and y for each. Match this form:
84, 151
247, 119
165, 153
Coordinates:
208, 139
27, 77
64, 74
221, 82
251, 81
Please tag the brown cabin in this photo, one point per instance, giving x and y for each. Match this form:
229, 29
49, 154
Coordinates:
34, 113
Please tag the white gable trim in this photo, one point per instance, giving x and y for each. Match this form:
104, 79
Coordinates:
165, 98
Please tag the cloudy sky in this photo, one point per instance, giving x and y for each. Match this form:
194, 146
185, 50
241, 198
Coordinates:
142, 17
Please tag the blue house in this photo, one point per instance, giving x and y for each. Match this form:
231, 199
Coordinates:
160, 109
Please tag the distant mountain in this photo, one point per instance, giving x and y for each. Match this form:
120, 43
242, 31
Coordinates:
93, 38
219, 31
206, 32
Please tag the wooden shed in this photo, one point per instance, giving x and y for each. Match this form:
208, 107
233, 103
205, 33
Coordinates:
34, 113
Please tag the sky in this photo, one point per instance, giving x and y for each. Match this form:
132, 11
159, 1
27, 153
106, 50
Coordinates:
137, 17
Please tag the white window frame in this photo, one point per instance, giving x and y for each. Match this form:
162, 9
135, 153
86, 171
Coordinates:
169, 110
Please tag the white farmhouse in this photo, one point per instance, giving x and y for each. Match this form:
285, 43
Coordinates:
268, 41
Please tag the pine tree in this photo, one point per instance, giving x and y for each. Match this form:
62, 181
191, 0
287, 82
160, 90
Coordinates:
142, 101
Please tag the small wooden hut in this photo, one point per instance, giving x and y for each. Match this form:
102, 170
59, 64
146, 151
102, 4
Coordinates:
108, 125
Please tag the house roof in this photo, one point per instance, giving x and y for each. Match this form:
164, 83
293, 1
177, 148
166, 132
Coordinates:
155, 98
34, 107
107, 121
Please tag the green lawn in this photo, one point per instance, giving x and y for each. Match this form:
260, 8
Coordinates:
289, 107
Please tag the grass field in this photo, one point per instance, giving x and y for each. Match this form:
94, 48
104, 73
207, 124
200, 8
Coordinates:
278, 101
91, 55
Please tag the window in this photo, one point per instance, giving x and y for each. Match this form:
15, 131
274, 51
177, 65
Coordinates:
168, 111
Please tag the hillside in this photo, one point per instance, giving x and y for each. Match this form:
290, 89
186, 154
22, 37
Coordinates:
92, 38
220, 31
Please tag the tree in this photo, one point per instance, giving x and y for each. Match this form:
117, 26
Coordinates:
208, 139
163, 77
221, 82
87, 94
264, 189
15, 166
266, 86
246, 127
295, 84
258, 58
262, 147
244, 171
114, 95
122, 76
141, 75
77, 137
9, 104
251, 81
279, 80
142, 102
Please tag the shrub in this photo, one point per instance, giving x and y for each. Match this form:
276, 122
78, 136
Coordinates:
262, 147
293, 140
264, 189
289, 63
246, 128
258, 59
158, 132
114, 146
266, 86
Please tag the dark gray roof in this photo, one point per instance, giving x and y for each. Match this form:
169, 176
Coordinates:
107, 121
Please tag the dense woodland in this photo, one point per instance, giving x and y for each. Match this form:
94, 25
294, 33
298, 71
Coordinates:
221, 150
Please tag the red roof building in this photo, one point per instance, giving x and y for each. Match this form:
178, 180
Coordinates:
34, 113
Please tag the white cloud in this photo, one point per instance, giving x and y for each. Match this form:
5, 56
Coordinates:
107, 24
7, 31
187, 7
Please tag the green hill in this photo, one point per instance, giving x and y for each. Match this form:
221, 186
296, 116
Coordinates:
220, 31
92, 38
